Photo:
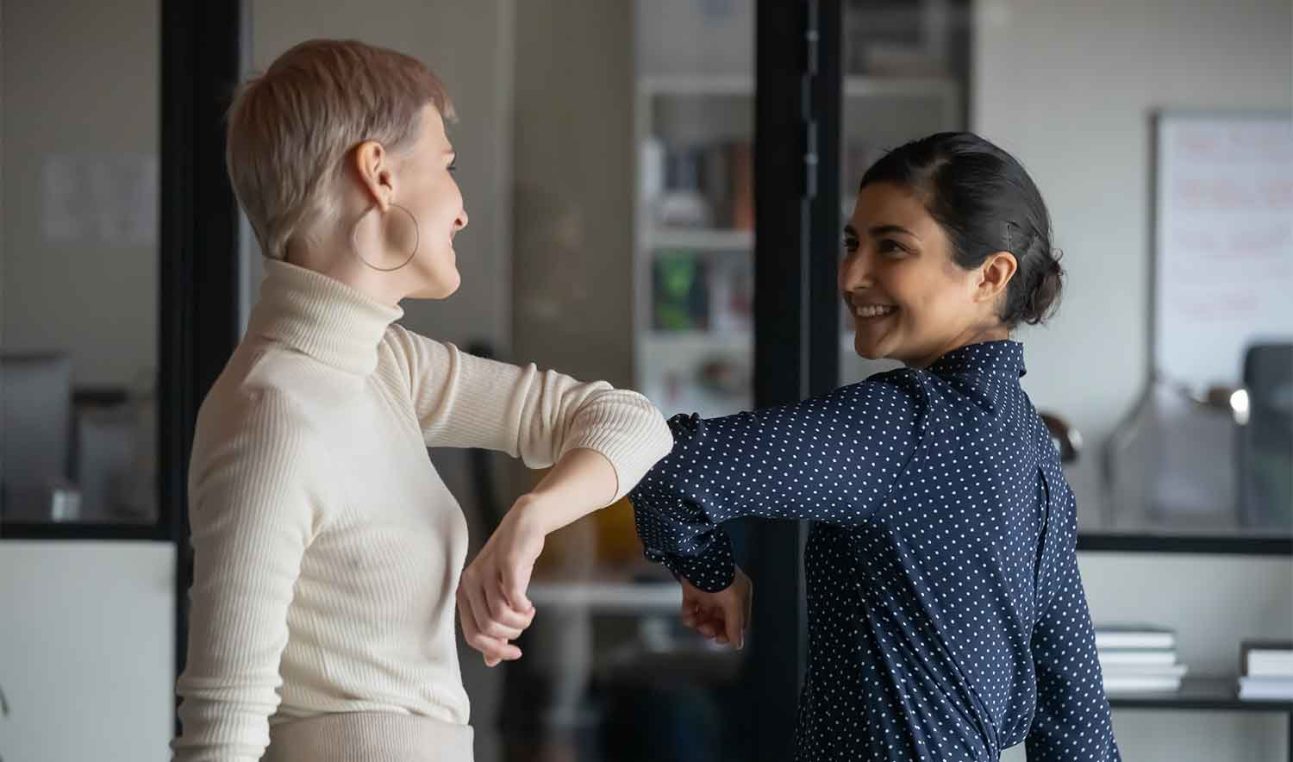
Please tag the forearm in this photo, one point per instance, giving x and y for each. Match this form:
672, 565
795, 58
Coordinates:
581, 482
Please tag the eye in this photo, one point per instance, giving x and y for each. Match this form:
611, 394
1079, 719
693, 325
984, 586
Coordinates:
891, 248
851, 245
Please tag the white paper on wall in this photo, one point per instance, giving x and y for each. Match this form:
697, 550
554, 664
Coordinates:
1224, 233
99, 200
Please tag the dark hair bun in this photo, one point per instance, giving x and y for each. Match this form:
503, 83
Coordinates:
1044, 296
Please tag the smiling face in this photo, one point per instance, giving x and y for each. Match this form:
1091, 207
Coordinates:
427, 188
909, 299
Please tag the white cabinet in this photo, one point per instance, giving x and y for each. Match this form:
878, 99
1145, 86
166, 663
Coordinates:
87, 650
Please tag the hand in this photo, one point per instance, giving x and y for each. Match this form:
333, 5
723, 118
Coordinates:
723, 616
492, 604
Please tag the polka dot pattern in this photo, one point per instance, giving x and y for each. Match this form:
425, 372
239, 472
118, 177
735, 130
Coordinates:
947, 619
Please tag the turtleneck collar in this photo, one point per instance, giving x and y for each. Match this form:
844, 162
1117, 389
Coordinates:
320, 316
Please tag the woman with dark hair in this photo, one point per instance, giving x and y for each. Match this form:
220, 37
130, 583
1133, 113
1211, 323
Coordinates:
947, 616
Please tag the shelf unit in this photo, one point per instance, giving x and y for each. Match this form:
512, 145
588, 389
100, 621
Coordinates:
1206, 694
621, 598
661, 358
1208, 544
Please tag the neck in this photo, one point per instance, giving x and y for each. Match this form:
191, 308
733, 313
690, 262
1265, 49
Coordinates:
337, 260
972, 335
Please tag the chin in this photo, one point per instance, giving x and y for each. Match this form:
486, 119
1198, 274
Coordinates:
441, 287
870, 350
864, 351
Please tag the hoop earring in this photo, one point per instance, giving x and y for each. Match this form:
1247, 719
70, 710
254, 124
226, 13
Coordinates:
417, 240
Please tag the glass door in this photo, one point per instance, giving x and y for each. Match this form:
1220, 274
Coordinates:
79, 292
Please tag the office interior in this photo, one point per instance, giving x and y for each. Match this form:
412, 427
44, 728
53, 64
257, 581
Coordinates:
608, 151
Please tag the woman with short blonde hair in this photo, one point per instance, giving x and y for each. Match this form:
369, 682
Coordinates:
327, 550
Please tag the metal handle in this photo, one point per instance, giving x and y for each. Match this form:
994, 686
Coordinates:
1066, 438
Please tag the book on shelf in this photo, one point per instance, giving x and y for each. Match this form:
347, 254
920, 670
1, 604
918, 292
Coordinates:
699, 185
1266, 688
1133, 637
681, 292
1132, 658
1157, 680
731, 295
693, 292
1266, 658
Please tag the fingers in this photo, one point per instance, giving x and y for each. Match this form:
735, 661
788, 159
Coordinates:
515, 580
705, 620
485, 623
494, 650
503, 613
721, 617
734, 620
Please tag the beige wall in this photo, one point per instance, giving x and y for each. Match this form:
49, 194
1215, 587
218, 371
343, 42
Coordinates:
80, 102
574, 161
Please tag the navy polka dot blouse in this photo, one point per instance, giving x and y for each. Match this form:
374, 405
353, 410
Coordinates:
946, 615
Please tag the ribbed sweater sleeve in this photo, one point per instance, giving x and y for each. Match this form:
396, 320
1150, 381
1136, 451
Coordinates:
252, 516
467, 401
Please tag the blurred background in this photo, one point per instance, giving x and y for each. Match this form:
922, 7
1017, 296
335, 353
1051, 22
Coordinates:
608, 152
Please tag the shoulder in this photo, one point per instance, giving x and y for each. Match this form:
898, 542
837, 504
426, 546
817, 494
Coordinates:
412, 355
402, 344
896, 391
264, 396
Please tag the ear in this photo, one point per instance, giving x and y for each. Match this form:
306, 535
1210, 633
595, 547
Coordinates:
372, 171
994, 276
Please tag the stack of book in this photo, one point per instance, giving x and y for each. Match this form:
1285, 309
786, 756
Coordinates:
1267, 670
1138, 659
704, 185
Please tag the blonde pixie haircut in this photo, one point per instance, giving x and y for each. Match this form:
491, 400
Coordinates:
291, 127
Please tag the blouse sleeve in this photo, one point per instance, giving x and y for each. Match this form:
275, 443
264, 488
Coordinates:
1072, 720
831, 458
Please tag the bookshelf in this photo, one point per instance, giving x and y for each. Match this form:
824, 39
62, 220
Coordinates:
672, 363
1206, 694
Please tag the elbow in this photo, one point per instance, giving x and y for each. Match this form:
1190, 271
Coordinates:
661, 436
655, 438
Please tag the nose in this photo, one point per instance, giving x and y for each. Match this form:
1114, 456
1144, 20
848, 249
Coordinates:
461, 221
855, 272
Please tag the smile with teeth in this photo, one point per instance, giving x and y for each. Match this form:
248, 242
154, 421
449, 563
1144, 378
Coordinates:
873, 310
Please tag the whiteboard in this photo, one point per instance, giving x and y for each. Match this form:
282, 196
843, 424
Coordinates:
1223, 240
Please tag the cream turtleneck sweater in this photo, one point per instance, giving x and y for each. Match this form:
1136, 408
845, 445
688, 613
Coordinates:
327, 549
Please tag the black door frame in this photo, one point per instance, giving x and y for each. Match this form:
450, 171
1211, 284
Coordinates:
798, 90
199, 321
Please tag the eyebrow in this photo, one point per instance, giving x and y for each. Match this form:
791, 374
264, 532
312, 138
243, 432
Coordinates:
882, 230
